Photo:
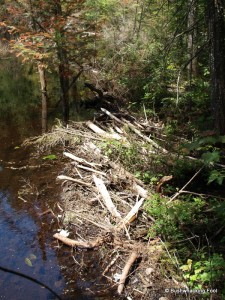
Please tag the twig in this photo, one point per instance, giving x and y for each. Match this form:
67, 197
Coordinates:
202, 195
111, 264
75, 133
181, 190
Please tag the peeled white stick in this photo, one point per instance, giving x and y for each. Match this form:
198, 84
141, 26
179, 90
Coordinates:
78, 159
130, 216
64, 177
103, 133
106, 197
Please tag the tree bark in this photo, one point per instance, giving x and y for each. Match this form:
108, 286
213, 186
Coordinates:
216, 30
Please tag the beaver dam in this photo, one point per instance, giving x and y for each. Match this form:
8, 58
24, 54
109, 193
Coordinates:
102, 223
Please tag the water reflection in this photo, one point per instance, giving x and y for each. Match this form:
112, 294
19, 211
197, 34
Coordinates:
24, 242
22, 251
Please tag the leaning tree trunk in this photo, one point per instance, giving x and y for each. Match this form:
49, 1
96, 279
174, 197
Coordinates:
216, 32
44, 97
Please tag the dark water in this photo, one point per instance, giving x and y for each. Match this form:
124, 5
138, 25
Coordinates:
21, 248
26, 243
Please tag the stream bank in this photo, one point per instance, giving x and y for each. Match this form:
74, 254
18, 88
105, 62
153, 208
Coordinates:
101, 226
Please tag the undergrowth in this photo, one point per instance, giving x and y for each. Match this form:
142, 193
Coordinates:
191, 225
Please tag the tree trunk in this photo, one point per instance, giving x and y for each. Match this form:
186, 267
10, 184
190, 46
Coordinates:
44, 97
63, 63
64, 85
191, 42
216, 30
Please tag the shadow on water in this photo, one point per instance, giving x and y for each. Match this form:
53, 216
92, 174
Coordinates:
26, 243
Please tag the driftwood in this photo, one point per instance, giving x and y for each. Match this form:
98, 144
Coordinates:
126, 269
106, 197
69, 242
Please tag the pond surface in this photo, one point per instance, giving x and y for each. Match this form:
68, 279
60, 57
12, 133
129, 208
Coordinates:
26, 243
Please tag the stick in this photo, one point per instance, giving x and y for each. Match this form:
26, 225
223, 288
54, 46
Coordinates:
112, 116
130, 216
91, 170
106, 197
63, 177
111, 264
103, 133
125, 271
132, 127
78, 159
181, 190
73, 243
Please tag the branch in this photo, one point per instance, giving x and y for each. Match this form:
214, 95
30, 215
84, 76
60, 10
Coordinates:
126, 269
81, 244
182, 189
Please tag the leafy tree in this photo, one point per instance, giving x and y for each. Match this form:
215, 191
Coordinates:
54, 35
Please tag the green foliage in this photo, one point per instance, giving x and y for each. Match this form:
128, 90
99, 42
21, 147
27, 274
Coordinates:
147, 177
127, 154
172, 218
205, 272
208, 148
50, 157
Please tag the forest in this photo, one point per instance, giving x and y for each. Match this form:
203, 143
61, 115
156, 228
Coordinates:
153, 74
